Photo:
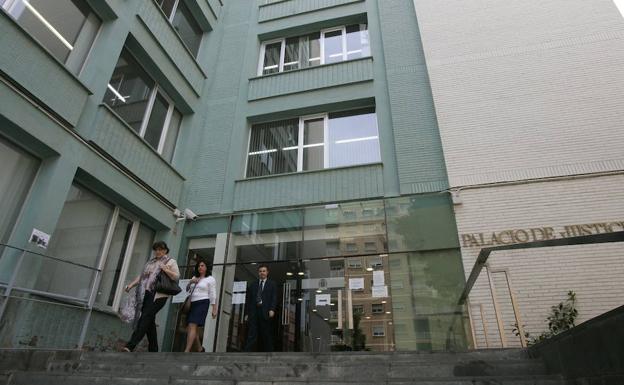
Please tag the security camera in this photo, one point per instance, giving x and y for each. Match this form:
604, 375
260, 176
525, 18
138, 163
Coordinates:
189, 215
186, 215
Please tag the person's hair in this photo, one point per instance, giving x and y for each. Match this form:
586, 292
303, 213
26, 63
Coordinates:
208, 268
263, 265
160, 245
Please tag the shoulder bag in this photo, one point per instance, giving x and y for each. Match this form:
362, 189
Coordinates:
166, 285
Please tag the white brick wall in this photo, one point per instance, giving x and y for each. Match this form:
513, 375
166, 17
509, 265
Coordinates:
542, 277
526, 88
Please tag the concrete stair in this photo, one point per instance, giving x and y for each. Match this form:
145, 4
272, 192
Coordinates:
480, 367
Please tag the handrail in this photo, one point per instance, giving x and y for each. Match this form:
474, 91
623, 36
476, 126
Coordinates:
484, 254
50, 257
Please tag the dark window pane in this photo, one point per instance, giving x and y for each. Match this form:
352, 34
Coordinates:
271, 58
166, 6
314, 131
172, 135
273, 148
187, 27
314, 49
156, 121
292, 54
129, 90
313, 158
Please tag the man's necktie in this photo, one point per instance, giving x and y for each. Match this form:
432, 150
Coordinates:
259, 294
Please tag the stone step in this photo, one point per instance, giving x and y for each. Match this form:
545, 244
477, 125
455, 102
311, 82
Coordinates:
42, 378
313, 369
359, 357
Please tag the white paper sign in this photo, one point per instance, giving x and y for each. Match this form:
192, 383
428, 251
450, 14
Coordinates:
40, 238
239, 286
323, 299
380, 291
378, 278
181, 296
238, 298
356, 283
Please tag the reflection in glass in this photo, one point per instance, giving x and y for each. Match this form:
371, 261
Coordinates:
353, 138
172, 135
114, 262
270, 236
423, 222
425, 289
187, 28
156, 121
344, 229
66, 28
333, 42
358, 44
129, 90
313, 144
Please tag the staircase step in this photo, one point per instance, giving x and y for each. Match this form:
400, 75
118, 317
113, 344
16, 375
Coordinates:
43, 378
279, 370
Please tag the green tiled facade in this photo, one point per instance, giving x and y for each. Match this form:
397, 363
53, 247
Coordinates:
60, 118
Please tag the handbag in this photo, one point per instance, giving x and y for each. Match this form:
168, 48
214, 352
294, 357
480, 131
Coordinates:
186, 306
166, 285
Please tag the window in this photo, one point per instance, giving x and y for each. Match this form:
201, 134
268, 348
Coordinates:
140, 102
314, 143
378, 308
16, 176
67, 28
351, 247
375, 262
354, 263
325, 47
358, 309
379, 331
370, 246
183, 22
92, 232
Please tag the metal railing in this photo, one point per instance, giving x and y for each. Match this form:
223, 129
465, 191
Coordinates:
476, 310
40, 292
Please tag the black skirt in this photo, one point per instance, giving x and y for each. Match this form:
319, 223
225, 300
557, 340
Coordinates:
199, 311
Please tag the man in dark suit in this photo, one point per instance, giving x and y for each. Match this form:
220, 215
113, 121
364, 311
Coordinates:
261, 305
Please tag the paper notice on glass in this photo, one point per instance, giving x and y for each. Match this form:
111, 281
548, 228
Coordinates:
378, 278
181, 296
380, 291
323, 299
238, 298
356, 283
239, 286
40, 238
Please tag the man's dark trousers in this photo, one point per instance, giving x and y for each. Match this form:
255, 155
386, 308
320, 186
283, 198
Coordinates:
260, 324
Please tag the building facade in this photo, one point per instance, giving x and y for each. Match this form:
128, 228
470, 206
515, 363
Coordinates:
311, 136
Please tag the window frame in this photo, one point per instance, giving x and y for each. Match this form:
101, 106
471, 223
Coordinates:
322, 33
77, 50
170, 18
151, 100
127, 254
280, 66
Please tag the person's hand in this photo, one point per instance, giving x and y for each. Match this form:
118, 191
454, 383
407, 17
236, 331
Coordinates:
127, 288
271, 314
214, 313
194, 280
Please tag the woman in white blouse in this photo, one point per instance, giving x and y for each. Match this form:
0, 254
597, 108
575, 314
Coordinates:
203, 294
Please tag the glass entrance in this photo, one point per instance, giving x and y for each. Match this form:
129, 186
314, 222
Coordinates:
337, 304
